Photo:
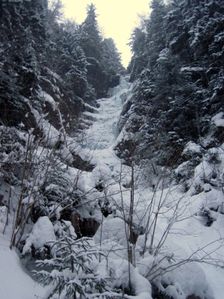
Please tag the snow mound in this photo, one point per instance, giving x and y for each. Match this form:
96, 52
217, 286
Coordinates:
192, 148
187, 280
42, 233
120, 269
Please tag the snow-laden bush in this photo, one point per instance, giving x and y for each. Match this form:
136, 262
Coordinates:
58, 186
71, 271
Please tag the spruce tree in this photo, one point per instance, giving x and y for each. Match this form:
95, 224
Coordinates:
90, 35
181, 82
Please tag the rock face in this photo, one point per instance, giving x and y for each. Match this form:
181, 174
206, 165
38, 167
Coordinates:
84, 227
79, 163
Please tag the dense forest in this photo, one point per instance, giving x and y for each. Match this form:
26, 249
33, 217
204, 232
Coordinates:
178, 65
111, 179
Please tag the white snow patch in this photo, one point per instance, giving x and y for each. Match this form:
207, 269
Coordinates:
112, 229
42, 233
192, 148
14, 282
218, 119
48, 98
187, 280
191, 69
119, 269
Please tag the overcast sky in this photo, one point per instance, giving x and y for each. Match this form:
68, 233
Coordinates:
117, 18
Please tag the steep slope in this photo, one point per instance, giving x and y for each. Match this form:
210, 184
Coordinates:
184, 231
172, 128
177, 66
107, 167
180, 231
120, 196
15, 282
176, 244
103, 132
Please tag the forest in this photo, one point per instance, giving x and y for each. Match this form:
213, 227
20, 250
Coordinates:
111, 178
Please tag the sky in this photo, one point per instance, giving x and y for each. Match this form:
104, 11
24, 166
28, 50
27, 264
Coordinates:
116, 18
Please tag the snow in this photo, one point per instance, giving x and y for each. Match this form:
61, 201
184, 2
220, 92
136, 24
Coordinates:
51, 134
91, 108
120, 274
100, 138
101, 173
192, 69
187, 280
102, 133
192, 148
218, 119
28, 200
48, 98
188, 234
112, 229
42, 234
163, 55
14, 282
188, 238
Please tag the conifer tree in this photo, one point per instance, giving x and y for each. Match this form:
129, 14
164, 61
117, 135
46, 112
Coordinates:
90, 35
181, 81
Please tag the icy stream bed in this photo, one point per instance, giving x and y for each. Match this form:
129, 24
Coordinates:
102, 134
188, 234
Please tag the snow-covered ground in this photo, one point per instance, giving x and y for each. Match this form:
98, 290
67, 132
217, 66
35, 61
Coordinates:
188, 237
14, 281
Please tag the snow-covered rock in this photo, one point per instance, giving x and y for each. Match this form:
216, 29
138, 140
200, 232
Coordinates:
192, 148
218, 119
41, 234
122, 272
186, 280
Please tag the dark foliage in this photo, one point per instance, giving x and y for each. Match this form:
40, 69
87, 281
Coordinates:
178, 67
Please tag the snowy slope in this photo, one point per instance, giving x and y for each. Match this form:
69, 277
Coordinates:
14, 282
100, 138
188, 236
